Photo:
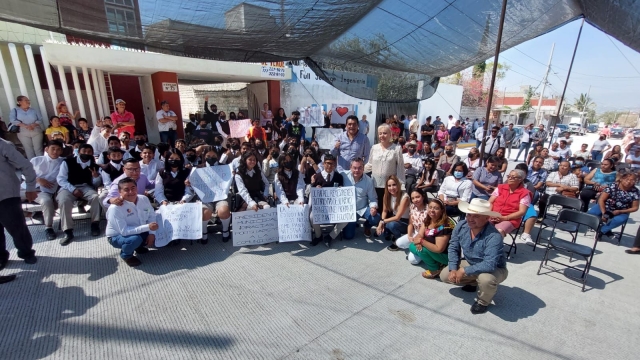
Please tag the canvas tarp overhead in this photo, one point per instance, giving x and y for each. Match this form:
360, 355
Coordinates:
399, 42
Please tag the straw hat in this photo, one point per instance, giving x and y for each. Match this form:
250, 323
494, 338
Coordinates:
477, 206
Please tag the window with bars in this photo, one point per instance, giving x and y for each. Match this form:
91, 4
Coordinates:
121, 21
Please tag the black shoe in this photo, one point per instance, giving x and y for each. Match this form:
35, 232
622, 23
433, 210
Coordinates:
95, 228
609, 234
50, 234
4, 260
6, 279
81, 209
470, 288
315, 241
38, 215
394, 247
478, 309
204, 241
388, 237
133, 261
31, 260
227, 237
142, 250
68, 238
327, 241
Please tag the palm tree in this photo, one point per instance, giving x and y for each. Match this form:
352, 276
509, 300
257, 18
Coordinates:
583, 103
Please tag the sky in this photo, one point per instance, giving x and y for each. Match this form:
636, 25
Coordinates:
615, 83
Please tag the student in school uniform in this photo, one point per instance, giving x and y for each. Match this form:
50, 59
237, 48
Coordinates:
328, 177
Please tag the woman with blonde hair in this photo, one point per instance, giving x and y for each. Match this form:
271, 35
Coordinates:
395, 210
385, 159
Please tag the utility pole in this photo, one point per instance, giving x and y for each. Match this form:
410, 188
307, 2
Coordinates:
584, 110
544, 86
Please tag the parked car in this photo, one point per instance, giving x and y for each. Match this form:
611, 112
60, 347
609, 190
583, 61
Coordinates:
592, 128
617, 133
516, 141
576, 128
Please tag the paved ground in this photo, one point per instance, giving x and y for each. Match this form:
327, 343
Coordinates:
354, 301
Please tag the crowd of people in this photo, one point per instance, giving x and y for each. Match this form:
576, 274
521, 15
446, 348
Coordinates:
457, 233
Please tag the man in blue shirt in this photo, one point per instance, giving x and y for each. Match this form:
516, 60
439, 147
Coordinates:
366, 199
484, 266
351, 144
437, 123
455, 135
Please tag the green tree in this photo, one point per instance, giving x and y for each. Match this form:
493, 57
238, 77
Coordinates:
609, 117
478, 70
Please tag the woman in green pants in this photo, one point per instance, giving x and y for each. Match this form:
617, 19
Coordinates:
430, 246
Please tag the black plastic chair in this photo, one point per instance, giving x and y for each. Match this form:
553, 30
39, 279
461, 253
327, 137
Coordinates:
550, 220
578, 218
618, 235
514, 235
592, 164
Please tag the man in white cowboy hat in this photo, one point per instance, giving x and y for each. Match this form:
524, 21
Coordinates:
484, 266
412, 165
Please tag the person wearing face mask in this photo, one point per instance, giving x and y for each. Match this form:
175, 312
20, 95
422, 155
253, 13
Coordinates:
224, 129
219, 209
454, 189
261, 150
289, 182
270, 164
210, 112
192, 160
233, 152
47, 168
447, 160
238, 155
140, 139
114, 168
103, 158
294, 129
252, 185
217, 146
203, 132
78, 178
412, 166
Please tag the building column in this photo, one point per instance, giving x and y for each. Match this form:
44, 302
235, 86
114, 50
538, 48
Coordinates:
165, 88
273, 91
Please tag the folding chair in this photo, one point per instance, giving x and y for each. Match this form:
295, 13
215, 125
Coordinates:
622, 166
619, 234
550, 220
514, 235
579, 218
592, 164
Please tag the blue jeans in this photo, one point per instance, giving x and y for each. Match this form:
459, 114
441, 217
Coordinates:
128, 244
397, 228
483, 197
478, 143
349, 231
168, 137
523, 146
613, 223
596, 155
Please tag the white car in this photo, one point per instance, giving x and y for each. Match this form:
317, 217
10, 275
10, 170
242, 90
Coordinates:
576, 128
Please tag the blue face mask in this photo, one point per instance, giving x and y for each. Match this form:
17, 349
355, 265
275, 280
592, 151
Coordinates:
458, 174
579, 163
76, 152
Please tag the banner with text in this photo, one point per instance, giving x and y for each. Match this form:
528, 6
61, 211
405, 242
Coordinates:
311, 116
178, 222
293, 223
211, 183
255, 227
327, 137
333, 205
239, 128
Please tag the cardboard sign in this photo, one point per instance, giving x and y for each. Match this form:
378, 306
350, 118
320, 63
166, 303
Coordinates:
340, 112
211, 183
239, 128
255, 227
178, 222
293, 223
332, 205
327, 138
311, 116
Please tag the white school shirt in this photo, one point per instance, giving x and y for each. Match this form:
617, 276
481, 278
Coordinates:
171, 125
129, 218
47, 168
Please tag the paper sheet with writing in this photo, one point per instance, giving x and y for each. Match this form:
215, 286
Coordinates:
180, 221
239, 128
311, 116
255, 227
333, 205
211, 183
327, 137
293, 223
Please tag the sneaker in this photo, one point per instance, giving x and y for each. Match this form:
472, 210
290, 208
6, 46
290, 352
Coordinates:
327, 241
31, 260
68, 237
315, 241
478, 309
50, 234
527, 239
132, 261
142, 250
374, 230
6, 279
393, 247
4, 260
469, 288
95, 228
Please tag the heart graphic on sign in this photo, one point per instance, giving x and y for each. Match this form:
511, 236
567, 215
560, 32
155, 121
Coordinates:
342, 110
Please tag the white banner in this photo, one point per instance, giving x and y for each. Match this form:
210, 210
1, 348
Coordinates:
255, 227
327, 137
340, 112
239, 128
293, 223
273, 70
332, 205
211, 183
180, 221
311, 116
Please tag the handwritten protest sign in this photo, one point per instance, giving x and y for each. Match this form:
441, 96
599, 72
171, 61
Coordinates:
255, 227
311, 116
327, 137
333, 205
340, 112
180, 221
211, 183
239, 128
293, 223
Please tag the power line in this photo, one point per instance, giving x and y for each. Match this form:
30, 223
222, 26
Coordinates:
623, 55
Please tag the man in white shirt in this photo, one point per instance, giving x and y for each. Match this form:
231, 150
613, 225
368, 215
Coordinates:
555, 155
583, 152
132, 224
564, 151
451, 123
479, 136
414, 125
47, 168
150, 166
99, 137
493, 142
525, 141
167, 123
412, 165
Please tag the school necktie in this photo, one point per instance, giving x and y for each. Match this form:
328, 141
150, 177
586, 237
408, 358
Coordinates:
328, 177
